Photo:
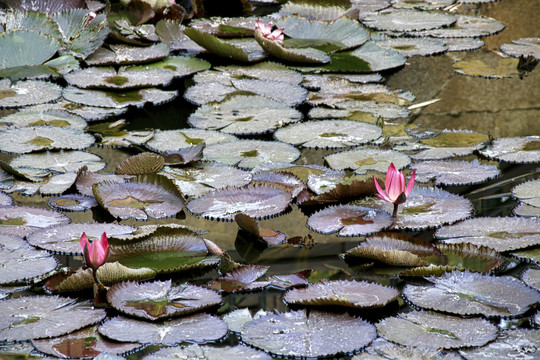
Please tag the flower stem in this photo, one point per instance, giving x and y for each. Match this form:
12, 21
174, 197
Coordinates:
394, 214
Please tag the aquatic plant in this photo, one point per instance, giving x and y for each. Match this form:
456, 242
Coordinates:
394, 187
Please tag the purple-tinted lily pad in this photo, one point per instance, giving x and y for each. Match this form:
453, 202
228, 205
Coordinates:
160, 299
26, 318
356, 294
467, 293
65, 239
257, 201
498, 233
509, 344
433, 330
342, 192
86, 179
450, 172
531, 277
60, 162
143, 163
380, 349
524, 149
184, 156
5, 199
144, 196
85, 343
262, 235
20, 262
298, 334
122, 54
199, 328
72, 202
23, 220
282, 180
194, 351
349, 220
242, 278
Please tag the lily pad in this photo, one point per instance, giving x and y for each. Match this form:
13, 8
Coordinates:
72, 202
159, 299
499, 233
432, 330
407, 20
121, 54
422, 4
450, 172
250, 153
244, 115
58, 184
143, 163
257, 201
298, 334
303, 55
172, 140
144, 196
88, 113
60, 162
487, 65
26, 318
28, 92
463, 44
264, 236
467, 293
377, 109
449, 143
22, 47
509, 344
363, 160
242, 278
65, 238
523, 47
204, 177
83, 343
265, 70
412, 46
29, 139
355, 294
23, 220
21, 262
203, 352
110, 99
199, 328
333, 93
178, 66
466, 26
349, 220
51, 118
328, 134
426, 208
380, 349
123, 78
524, 149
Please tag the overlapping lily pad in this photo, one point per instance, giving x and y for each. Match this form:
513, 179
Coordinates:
21, 262
306, 55
523, 47
412, 46
509, 343
434, 331
298, 334
60, 162
244, 115
195, 351
172, 140
122, 54
243, 278
408, 20
72, 202
450, 172
160, 299
426, 208
28, 139
24, 220
349, 220
144, 196
30, 317
488, 65
123, 78
336, 92
499, 233
356, 294
467, 293
328, 134
143, 163
88, 113
378, 109
199, 328
449, 143
110, 99
524, 149
257, 201
466, 26
28, 92
25, 48
250, 153
65, 239
363, 160
54, 118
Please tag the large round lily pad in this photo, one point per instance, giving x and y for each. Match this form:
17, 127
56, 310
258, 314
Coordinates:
24, 220
205, 352
524, 149
298, 334
60, 162
113, 99
172, 140
28, 139
29, 92
518, 343
408, 20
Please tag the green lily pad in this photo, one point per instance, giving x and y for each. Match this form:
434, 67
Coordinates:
121, 54
306, 55
408, 20
124, 78
23, 47
170, 33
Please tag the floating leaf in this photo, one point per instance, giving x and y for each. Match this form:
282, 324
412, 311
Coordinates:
450, 172
524, 149
422, 4
83, 343
172, 140
20, 262
261, 71
488, 65
60, 162
65, 238
298, 334
46, 6
58, 184
303, 55
184, 156
250, 153
432, 330
88, 113
124, 78
336, 92
23, 220
463, 44
172, 34
342, 192
410, 46
531, 277
178, 66
381, 349
328, 134
72, 202
144, 196
244, 115
264, 236
465, 26
499, 233
466, 293
355, 294
24, 47
426, 208
110, 99
121, 54
51, 118
243, 278
360, 108
363, 160
226, 26
449, 143
281, 180
257, 201
523, 47
26, 318
29, 139
159, 299
509, 343
349, 220
143, 163
195, 351
204, 177
28, 92
408, 20
197, 328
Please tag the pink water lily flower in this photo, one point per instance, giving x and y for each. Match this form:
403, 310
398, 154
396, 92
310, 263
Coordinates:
395, 190
266, 31
95, 252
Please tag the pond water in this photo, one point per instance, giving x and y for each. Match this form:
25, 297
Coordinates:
499, 107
